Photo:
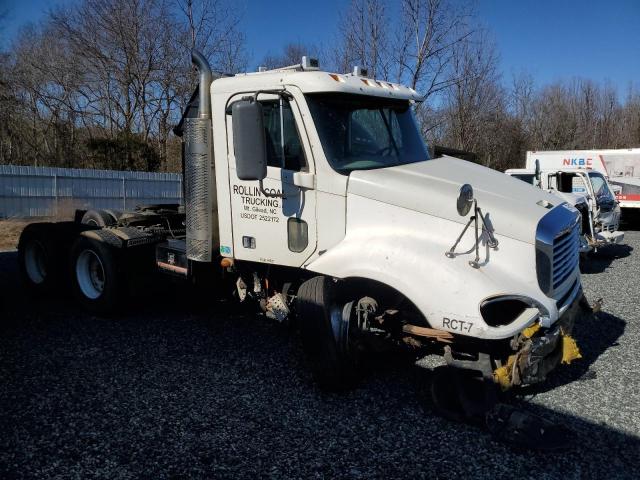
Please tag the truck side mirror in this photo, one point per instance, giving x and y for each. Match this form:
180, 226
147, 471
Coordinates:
249, 143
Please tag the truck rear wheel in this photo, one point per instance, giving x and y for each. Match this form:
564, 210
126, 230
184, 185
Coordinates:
37, 261
98, 218
325, 325
96, 279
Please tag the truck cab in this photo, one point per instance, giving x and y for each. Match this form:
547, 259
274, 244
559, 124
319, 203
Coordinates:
312, 195
589, 191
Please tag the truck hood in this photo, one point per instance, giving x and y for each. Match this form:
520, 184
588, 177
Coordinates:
512, 207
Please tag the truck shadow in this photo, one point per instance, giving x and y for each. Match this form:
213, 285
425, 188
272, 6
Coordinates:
598, 262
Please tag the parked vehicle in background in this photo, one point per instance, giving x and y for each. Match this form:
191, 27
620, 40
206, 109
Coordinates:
579, 202
621, 167
588, 191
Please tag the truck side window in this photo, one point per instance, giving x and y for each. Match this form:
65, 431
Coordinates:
577, 185
284, 148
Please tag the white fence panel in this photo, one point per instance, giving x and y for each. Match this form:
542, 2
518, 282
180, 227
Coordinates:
45, 191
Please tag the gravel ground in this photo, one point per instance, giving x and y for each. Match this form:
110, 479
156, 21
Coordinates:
162, 393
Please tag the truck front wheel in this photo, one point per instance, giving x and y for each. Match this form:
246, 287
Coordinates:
325, 328
96, 280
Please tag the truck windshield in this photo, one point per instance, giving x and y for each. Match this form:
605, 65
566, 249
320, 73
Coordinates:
361, 132
601, 189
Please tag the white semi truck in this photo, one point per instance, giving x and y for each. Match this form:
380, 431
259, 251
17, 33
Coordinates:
313, 195
584, 188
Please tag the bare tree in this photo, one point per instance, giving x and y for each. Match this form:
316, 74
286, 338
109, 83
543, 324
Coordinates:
364, 38
104, 80
291, 54
628, 122
212, 27
100, 83
429, 32
476, 110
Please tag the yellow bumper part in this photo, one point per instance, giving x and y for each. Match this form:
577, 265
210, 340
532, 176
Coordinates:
504, 375
570, 350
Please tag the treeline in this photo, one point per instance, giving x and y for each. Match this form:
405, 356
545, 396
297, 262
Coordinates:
100, 84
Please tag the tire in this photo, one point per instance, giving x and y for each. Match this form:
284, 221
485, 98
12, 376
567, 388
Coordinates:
97, 282
334, 368
115, 214
37, 260
98, 218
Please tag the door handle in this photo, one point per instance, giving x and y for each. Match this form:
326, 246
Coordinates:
304, 180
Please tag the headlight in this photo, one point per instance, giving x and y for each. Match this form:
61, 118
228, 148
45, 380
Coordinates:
506, 309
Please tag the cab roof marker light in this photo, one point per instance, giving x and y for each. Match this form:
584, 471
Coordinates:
368, 82
337, 78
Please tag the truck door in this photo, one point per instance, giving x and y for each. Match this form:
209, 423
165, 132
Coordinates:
278, 229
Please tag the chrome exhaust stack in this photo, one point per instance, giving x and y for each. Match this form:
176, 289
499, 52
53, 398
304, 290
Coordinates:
199, 170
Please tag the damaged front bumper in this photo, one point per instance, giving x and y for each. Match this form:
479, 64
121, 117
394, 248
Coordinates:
609, 237
540, 350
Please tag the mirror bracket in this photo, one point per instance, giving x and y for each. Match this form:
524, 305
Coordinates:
267, 194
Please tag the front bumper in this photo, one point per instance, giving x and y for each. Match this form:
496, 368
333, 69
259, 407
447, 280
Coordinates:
540, 350
607, 237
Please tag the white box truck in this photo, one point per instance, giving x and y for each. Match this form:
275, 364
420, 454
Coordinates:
313, 195
574, 179
620, 166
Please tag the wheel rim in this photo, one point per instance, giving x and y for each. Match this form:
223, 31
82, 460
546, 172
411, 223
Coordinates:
35, 262
90, 274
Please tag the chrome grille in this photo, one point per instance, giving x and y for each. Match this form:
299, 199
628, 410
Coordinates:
558, 250
565, 255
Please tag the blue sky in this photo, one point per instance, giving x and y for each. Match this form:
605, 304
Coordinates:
549, 39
